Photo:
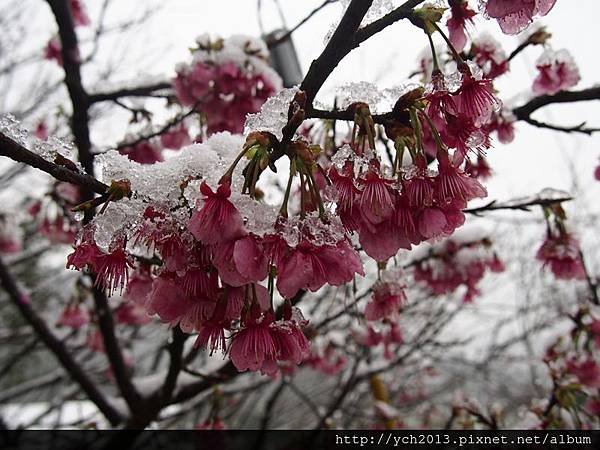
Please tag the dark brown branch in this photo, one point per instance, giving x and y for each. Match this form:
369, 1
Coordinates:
176, 354
581, 128
346, 115
79, 98
114, 354
166, 127
523, 112
140, 91
21, 301
402, 12
340, 44
525, 206
17, 152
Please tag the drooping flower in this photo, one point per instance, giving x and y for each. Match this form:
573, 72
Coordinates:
514, 16
452, 183
241, 261
557, 72
290, 341
111, 268
310, 267
489, 56
386, 302
86, 252
460, 14
217, 220
382, 241
562, 254
253, 345
375, 199
475, 98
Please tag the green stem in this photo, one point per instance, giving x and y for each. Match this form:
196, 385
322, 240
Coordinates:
284, 205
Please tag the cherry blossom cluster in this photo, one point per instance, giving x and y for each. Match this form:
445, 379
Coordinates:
226, 80
453, 264
560, 251
574, 366
190, 238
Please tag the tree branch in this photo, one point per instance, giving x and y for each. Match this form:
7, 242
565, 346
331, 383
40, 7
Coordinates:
523, 112
402, 12
113, 352
21, 301
18, 153
79, 98
524, 206
140, 91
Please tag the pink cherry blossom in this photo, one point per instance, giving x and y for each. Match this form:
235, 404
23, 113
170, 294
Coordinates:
290, 341
375, 199
475, 98
386, 302
86, 252
253, 345
514, 16
452, 183
460, 15
489, 56
310, 267
111, 268
557, 72
561, 254
138, 288
216, 213
241, 261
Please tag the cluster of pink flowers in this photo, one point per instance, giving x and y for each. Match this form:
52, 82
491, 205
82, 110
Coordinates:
456, 264
557, 72
54, 217
227, 80
387, 301
209, 279
514, 16
575, 371
388, 334
561, 253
